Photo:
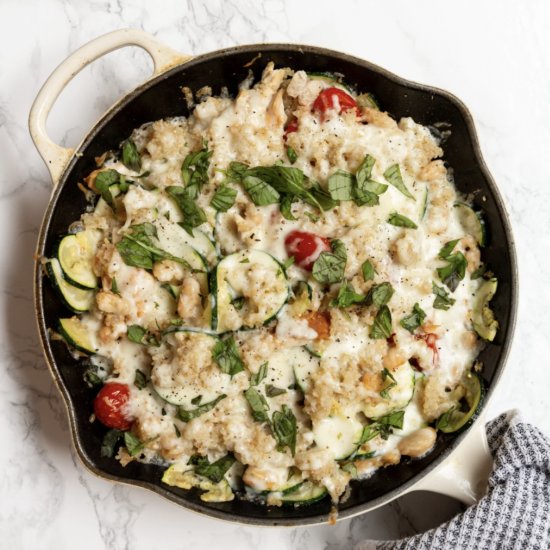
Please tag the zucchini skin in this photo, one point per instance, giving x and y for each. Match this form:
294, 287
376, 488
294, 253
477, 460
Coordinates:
52, 276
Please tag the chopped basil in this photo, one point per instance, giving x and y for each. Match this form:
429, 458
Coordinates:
455, 270
322, 197
236, 171
312, 216
393, 382
196, 400
330, 266
414, 320
381, 327
216, 471
368, 271
133, 444
341, 185
273, 391
401, 221
286, 207
223, 198
394, 419
130, 156
379, 295
369, 432
177, 430
260, 192
347, 296
188, 415
479, 272
109, 442
258, 404
393, 176
139, 335
140, 379
193, 215
382, 426
442, 298
194, 171
255, 379
364, 171
226, 354
238, 302
114, 287
283, 424
291, 154
367, 189
103, 182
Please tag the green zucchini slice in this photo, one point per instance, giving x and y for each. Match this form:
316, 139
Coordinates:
76, 253
250, 287
305, 362
331, 79
483, 319
464, 412
307, 493
338, 434
472, 222
76, 299
78, 335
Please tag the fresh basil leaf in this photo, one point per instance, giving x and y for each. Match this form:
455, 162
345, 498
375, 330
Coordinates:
194, 171
260, 192
394, 177
109, 443
140, 379
188, 415
364, 171
288, 262
238, 302
341, 185
283, 424
444, 421
255, 379
193, 215
381, 327
379, 295
414, 320
216, 471
368, 271
223, 198
258, 404
226, 354
198, 460
479, 272
322, 197
369, 432
446, 250
130, 156
365, 198
286, 207
133, 254
312, 217
102, 184
442, 298
393, 382
133, 445
273, 391
236, 171
347, 296
367, 189
401, 221
291, 154
330, 266
177, 430
394, 419
136, 334
455, 270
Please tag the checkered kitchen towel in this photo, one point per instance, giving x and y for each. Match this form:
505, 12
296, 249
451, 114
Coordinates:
515, 514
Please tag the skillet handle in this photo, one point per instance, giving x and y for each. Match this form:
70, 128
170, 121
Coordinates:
55, 156
465, 473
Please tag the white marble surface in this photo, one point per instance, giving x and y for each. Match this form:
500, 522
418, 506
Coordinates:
494, 55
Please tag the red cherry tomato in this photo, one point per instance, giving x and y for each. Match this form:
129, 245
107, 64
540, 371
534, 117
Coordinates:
431, 341
332, 98
305, 247
292, 126
109, 406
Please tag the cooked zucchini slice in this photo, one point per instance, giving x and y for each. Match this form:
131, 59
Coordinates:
250, 287
305, 362
338, 434
464, 412
176, 393
483, 319
367, 100
173, 238
281, 367
331, 79
472, 222
76, 299
78, 335
75, 254
184, 478
394, 397
307, 493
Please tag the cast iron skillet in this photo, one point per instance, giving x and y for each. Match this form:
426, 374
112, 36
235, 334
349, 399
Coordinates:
161, 97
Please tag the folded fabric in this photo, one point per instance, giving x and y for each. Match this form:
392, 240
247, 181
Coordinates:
515, 513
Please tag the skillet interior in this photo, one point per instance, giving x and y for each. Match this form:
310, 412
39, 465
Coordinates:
162, 97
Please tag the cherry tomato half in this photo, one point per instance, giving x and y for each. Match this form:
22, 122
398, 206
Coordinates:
292, 126
109, 406
305, 247
331, 98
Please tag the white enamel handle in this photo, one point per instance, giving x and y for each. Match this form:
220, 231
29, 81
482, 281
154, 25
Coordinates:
55, 156
464, 474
